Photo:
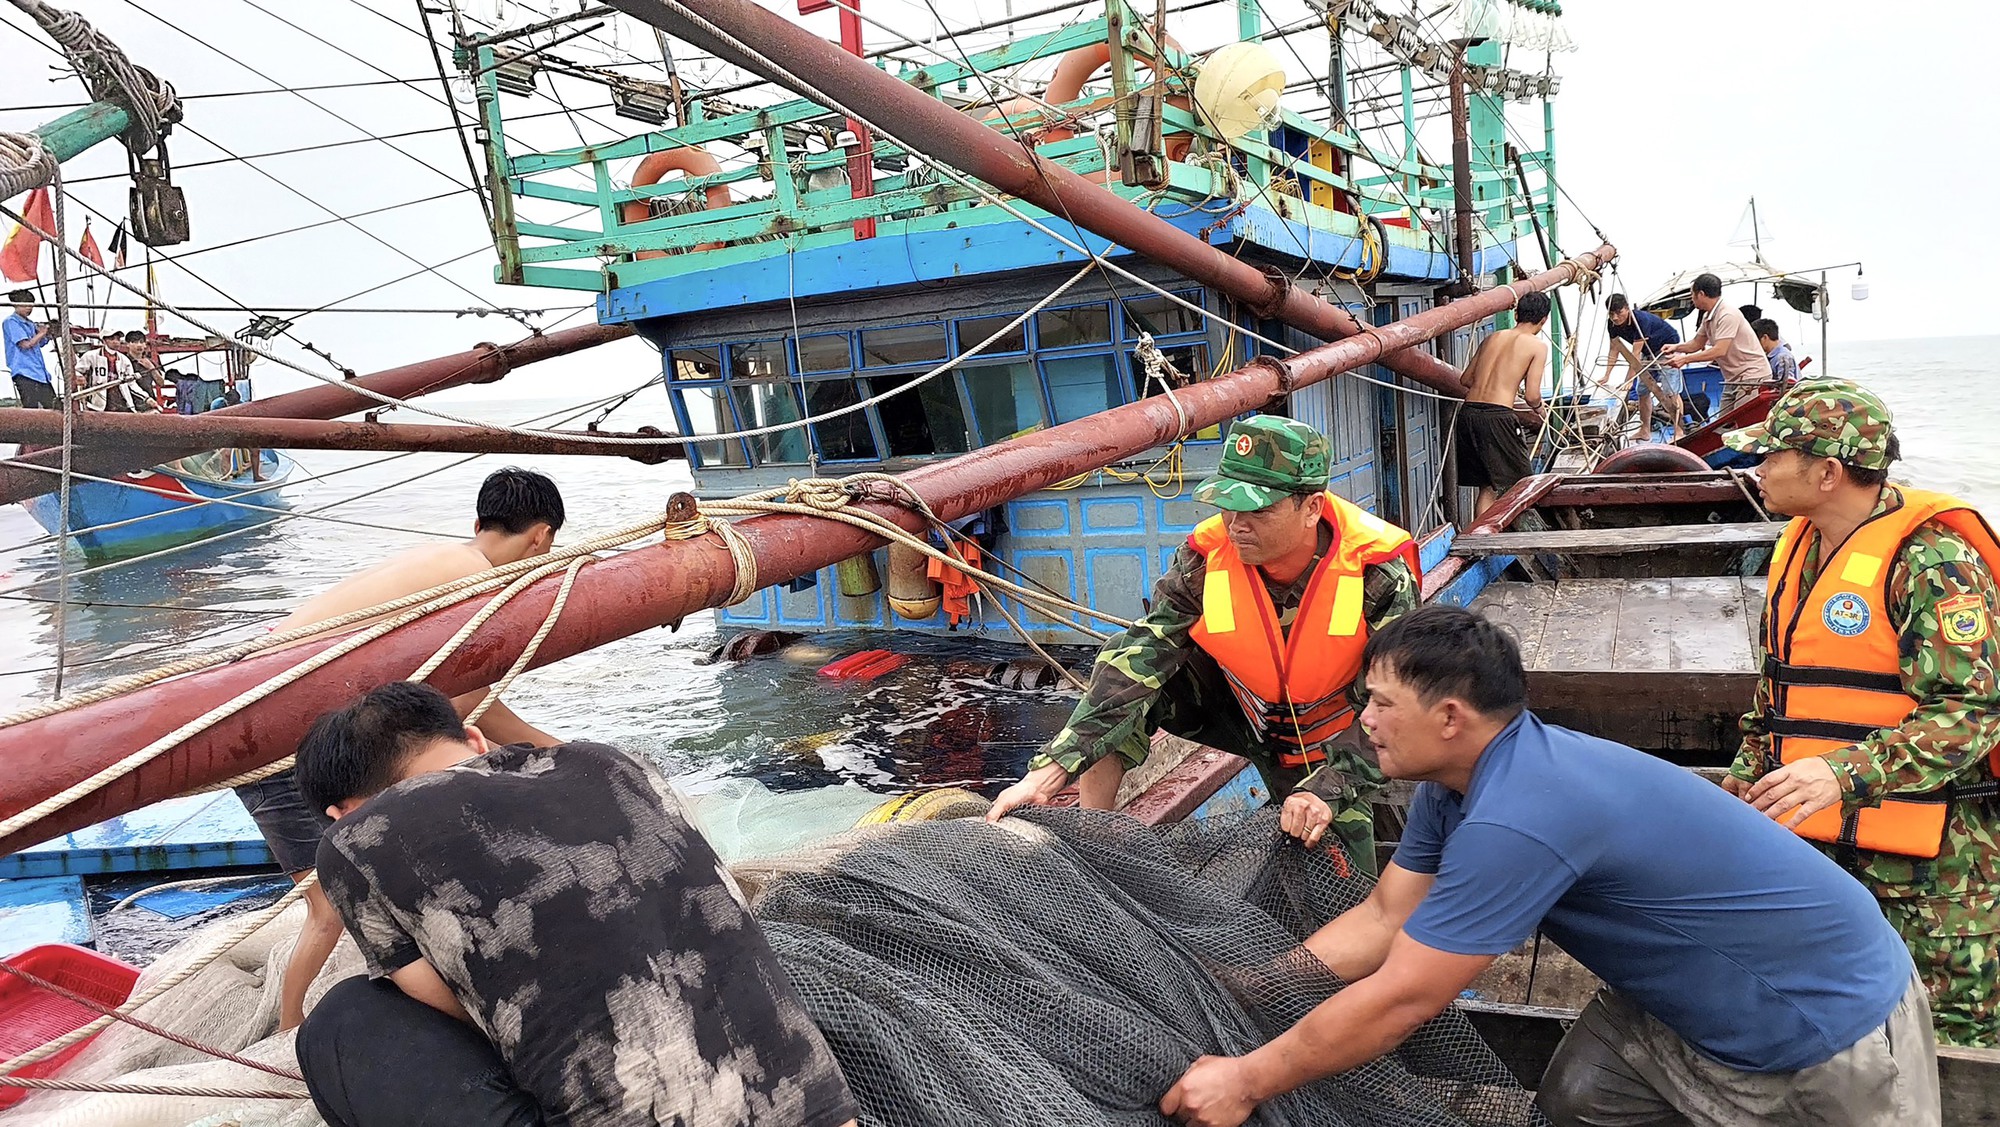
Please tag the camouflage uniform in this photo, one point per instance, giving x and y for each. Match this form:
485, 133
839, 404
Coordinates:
1948, 908
1154, 677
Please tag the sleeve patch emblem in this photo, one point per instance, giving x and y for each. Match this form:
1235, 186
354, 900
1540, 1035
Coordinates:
1962, 619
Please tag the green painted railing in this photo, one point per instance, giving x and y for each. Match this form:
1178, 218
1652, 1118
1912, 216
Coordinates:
777, 203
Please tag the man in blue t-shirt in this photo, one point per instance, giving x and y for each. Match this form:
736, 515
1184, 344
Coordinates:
24, 340
1747, 978
1638, 338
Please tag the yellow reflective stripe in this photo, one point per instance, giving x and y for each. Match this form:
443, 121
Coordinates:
1218, 612
1861, 569
1346, 616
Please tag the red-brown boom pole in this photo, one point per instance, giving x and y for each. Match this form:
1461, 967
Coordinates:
483, 363
980, 151
633, 591
97, 430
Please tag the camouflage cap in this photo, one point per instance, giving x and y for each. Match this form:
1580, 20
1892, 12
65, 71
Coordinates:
1264, 458
1826, 418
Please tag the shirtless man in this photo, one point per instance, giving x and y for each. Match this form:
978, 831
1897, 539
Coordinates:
520, 512
1492, 446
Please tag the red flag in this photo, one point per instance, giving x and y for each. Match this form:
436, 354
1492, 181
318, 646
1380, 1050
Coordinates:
20, 259
87, 247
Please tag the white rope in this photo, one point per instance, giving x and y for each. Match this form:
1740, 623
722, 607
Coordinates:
25, 164
119, 1087
149, 101
70, 405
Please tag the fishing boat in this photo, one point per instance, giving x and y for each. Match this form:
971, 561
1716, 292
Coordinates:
190, 498
1041, 366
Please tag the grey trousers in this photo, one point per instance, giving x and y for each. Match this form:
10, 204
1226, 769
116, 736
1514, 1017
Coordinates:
1620, 1067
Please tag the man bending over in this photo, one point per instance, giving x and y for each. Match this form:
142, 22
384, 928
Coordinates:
1747, 979
548, 941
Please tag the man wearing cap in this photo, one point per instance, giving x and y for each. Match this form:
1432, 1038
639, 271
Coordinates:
1876, 724
1269, 602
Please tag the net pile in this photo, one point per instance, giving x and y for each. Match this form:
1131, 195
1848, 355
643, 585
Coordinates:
1062, 968
1065, 967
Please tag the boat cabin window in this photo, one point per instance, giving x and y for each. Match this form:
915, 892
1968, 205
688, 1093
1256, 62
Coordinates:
707, 411
758, 360
975, 329
1006, 399
768, 403
1067, 328
848, 438
697, 364
927, 419
1082, 385
825, 352
1156, 315
903, 344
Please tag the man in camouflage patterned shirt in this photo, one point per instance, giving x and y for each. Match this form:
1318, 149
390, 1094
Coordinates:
1271, 485
1828, 445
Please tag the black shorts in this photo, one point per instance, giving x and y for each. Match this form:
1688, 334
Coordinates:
1492, 446
290, 828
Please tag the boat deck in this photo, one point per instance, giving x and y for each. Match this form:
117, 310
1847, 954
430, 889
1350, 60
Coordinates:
1662, 664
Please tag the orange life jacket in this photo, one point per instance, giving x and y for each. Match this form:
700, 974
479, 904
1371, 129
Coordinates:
1293, 683
1831, 656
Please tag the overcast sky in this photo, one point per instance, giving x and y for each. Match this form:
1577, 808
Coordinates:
1863, 132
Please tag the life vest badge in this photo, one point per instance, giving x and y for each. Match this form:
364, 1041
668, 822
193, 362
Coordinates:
1846, 614
1962, 620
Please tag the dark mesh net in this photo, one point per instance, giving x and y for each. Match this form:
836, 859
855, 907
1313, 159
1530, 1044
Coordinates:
1066, 967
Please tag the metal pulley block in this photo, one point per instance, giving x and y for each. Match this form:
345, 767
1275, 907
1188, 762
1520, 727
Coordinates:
159, 213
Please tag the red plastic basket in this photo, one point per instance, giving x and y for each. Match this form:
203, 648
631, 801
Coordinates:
31, 1016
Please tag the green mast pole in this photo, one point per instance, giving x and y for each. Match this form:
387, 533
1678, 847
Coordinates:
1548, 209
1250, 25
78, 130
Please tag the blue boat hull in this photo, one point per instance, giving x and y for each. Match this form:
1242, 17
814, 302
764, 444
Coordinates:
160, 508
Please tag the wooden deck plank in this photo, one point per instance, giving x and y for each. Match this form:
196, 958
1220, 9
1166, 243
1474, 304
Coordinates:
1619, 541
1581, 630
1523, 609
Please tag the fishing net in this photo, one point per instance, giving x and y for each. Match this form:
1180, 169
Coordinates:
1065, 967
1062, 968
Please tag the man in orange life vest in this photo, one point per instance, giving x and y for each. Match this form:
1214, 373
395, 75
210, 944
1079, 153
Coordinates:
1270, 602
1876, 724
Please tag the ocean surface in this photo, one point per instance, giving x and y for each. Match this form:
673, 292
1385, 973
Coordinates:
768, 718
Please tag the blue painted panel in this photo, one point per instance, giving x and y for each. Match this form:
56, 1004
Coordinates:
1470, 582
1434, 551
1243, 793
804, 608
201, 831
1116, 580
1038, 518
44, 910
1115, 514
1181, 514
1053, 569
755, 611
906, 258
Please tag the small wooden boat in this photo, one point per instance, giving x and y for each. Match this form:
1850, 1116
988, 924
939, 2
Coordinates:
186, 500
